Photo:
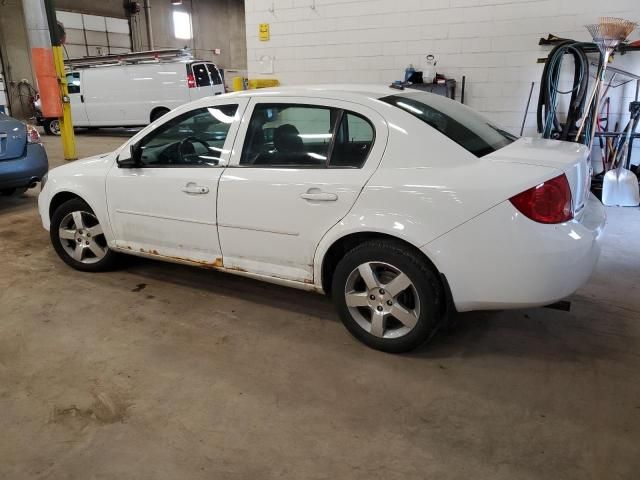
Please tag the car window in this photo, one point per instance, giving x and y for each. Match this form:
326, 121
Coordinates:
353, 143
73, 82
289, 135
201, 75
461, 124
195, 138
214, 74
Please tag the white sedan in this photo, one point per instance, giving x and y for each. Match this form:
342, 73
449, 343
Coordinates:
401, 205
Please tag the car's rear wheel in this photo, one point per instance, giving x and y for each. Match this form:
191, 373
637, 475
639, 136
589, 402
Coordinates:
78, 238
387, 296
51, 126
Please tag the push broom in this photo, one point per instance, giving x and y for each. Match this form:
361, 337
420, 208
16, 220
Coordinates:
620, 187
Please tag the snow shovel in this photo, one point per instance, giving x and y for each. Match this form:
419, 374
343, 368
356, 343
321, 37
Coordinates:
620, 186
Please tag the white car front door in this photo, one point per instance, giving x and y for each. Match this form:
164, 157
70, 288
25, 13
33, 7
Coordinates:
298, 167
166, 204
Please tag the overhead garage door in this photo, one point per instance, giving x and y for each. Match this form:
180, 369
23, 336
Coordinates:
89, 35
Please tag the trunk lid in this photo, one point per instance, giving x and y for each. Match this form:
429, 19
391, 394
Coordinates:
570, 158
13, 137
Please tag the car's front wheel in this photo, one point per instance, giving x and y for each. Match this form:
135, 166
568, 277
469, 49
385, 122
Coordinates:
387, 296
78, 238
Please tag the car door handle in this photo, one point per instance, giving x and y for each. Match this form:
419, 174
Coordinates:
193, 189
316, 195
82, 98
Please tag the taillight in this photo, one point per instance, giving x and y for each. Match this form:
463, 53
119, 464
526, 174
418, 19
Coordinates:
191, 80
549, 202
32, 134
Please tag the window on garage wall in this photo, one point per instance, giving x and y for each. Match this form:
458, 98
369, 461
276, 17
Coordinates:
182, 26
89, 35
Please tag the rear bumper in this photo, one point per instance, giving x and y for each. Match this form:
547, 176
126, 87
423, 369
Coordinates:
21, 172
501, 259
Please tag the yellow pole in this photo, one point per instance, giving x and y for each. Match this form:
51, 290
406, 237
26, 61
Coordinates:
66, 125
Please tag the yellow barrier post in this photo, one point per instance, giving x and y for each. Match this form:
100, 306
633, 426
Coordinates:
242, 83
66, 124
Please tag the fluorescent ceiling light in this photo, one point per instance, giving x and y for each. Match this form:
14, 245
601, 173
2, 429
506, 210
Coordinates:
410, 108
315, 135
221, 116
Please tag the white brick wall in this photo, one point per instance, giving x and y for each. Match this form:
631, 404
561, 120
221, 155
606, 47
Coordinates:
493, 42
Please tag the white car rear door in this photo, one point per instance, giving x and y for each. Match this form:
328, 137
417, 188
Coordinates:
297, 168
166, 206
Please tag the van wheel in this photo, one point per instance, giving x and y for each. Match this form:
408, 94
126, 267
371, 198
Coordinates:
387, 296
157, 113
52, 126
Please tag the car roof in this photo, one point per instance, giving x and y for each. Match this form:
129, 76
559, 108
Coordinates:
342, 91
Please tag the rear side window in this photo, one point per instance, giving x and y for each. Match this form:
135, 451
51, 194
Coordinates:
201, 75
353, 143
306, 136
459, 123
289, 135
214, 74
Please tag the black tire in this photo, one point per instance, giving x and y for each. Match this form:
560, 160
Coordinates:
425, 285
51, 126
107, 262
157, 113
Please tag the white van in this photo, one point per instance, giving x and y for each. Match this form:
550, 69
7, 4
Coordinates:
126, 94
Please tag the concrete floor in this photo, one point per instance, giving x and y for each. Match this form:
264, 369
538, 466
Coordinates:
161, 371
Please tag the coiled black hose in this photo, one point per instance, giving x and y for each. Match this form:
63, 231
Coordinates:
548, 124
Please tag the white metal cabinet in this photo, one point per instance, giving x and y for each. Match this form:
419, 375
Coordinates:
271, 219
170, 211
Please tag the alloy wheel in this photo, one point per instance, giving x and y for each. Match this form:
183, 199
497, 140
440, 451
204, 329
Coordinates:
54, 126
382, 300
82, 238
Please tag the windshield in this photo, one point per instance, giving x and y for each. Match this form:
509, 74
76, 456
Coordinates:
461, 124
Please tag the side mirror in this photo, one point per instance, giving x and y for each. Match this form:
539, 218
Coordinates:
135, 160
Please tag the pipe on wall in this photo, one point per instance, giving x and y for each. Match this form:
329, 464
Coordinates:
42, 57
147, 17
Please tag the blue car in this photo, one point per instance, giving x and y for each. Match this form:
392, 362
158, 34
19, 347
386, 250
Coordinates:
23, 160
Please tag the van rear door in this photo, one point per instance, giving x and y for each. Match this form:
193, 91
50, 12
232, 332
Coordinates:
216, 79
200, 82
